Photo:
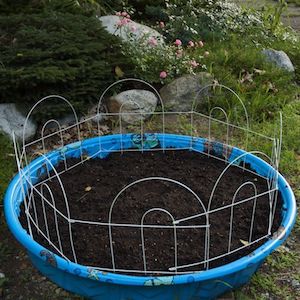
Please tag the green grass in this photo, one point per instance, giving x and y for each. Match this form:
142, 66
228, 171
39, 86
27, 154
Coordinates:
7, 164
267, 283
264, 88
296, 2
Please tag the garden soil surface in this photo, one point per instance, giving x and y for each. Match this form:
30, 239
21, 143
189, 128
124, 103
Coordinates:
92, 187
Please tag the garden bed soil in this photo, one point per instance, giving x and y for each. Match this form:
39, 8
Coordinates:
91, 187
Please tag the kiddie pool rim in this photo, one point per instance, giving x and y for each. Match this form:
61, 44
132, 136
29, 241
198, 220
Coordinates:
255, 258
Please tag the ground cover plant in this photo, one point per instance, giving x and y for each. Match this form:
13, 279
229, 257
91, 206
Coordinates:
231, 42
56, 53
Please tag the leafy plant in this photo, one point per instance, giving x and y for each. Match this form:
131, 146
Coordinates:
156, 61
239, 64
57, 53
85, 7
271, 16
209, 19
7, 169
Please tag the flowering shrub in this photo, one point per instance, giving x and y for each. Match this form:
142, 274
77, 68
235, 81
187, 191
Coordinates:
192, 18
156, 61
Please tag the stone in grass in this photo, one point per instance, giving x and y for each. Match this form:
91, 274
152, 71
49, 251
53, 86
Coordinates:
12, 120
136, 30
279, 58
180, 94
141, 102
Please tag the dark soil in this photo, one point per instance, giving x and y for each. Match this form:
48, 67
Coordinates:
92, 186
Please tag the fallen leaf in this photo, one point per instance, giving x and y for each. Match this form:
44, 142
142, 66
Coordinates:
247, 77
119, 71
245, 243
259, 72
271, 87
88, 188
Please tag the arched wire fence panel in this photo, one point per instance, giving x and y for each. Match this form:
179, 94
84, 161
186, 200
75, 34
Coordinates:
59, 132
175, 227
138, 113
37, 191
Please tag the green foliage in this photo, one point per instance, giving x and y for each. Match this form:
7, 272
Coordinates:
239, 64
282, 259
7, 164
272, 16
86, 7
146, 10
267, 283
295, 2
212, 19
56, 53
150, 56
209, 19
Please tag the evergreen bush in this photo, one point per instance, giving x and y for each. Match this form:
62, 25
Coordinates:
56, 53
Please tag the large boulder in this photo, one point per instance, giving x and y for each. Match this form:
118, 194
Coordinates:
279, 58
180, 94
12, 120
137, 30
141, 102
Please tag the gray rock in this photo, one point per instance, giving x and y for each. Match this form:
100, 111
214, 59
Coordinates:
180, 94
141, 102
295, 284
93, 112
140, 32
11, 120
279, 58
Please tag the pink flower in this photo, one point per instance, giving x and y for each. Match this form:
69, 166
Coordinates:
206, 53
201, 44
161, 24
179, 53
118, 13
124, 14
178, 42
125, 21
191, 44
194, 64
133, 28
119, 24
152, 41
163, 74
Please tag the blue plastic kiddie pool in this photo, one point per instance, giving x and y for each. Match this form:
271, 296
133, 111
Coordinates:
95, 284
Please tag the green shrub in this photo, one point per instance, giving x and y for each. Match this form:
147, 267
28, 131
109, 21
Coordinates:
216, 19
7, 163
86, 7
56, 53
145, 10
157, 62
207, 19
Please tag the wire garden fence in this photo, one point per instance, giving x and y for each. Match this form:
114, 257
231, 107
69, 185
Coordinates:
219, 136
